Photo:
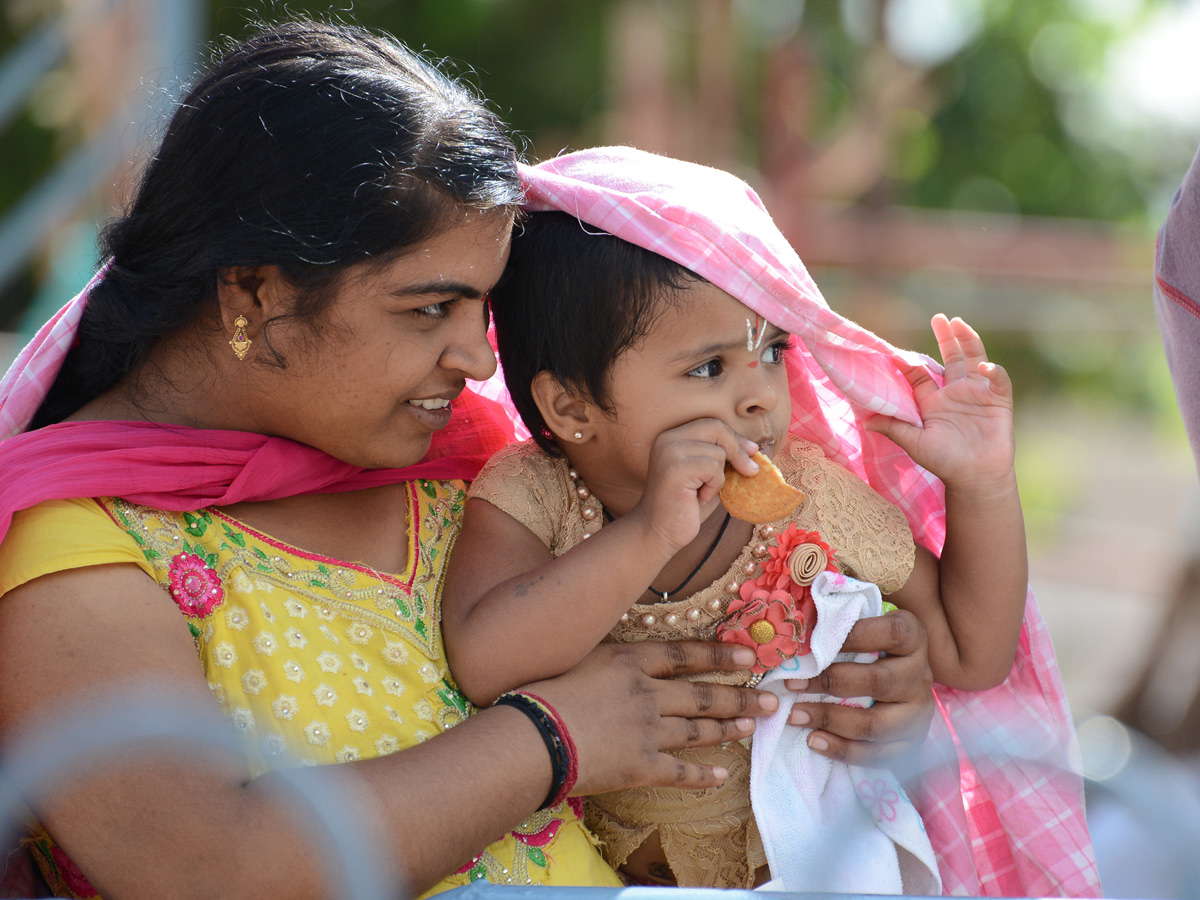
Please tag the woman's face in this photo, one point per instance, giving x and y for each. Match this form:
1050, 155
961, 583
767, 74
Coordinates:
373, 379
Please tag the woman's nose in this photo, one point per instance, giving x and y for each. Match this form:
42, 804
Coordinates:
469, 351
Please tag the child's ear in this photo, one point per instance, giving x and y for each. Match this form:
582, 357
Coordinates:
567, 415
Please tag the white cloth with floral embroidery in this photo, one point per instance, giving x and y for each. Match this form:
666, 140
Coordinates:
827, 826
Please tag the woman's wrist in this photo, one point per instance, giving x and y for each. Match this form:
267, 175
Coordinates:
564, 758
537, 768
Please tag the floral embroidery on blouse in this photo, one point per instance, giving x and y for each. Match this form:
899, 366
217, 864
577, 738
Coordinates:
195, 587
316, 660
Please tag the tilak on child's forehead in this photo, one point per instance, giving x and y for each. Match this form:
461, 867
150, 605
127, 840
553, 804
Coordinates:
755, 333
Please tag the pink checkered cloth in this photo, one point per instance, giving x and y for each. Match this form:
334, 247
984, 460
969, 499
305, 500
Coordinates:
1000, 794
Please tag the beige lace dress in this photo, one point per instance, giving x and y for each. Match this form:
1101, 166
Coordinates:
709, 837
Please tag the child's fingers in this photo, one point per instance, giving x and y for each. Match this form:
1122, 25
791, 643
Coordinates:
997, 378
953, 359
735, 448
969, 342
902, 433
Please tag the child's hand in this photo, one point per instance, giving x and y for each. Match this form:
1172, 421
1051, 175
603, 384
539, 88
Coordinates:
686, 471
967, 437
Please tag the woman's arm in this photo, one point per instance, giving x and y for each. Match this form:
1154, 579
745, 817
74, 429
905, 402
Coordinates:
175, 823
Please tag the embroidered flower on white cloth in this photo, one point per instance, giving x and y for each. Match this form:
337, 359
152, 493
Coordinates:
224, 655
317, 733
254, 681
878, 798
293, 671
357, 720
265, 643
285, 707
330, 662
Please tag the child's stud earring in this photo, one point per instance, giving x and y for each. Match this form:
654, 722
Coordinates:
579, 435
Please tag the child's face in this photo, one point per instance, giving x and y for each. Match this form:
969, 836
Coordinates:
706, 357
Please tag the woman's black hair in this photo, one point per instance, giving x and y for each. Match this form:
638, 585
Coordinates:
308, 146
571, 301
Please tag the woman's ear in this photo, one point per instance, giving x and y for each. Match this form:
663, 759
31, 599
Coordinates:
570, 417
255, 293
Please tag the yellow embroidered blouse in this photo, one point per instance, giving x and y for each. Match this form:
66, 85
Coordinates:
314, 660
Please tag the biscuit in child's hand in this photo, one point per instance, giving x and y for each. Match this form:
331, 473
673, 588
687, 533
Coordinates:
761, 498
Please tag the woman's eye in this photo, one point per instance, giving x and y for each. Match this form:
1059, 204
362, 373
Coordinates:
434, 310
710, 369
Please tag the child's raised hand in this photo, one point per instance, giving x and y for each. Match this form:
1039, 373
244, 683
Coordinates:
967, 436
685, 474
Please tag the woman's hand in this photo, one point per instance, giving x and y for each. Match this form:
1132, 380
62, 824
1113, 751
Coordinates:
900, 682
625, 705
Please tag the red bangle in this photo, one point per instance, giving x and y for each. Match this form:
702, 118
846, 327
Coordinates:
564, 758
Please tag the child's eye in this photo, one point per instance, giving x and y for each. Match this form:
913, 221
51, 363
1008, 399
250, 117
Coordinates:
774, 354
710, 369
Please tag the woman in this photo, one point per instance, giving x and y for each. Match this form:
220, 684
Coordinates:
288, 316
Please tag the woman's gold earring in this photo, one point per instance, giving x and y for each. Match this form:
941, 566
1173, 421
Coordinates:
240, 343
579, 435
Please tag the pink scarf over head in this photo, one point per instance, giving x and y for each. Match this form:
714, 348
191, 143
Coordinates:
1000, 793
179, 469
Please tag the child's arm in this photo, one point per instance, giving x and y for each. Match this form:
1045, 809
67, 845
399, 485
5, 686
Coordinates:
973, 601
512, 614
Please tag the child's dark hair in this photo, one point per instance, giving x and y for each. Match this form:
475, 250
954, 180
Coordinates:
308, 146
571, 301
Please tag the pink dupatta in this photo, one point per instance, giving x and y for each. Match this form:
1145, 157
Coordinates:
1000, 792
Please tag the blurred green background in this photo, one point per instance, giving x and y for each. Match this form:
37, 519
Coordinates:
1007, 161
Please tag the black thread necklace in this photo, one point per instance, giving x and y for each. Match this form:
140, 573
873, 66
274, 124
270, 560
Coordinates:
692, 574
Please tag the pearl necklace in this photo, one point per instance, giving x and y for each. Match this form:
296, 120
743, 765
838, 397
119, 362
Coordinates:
593, 519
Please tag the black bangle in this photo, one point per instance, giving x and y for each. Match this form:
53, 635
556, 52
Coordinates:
558, 743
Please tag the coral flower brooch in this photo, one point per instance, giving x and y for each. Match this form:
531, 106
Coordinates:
773, 614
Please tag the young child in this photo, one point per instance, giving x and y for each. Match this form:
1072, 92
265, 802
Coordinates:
639, 380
